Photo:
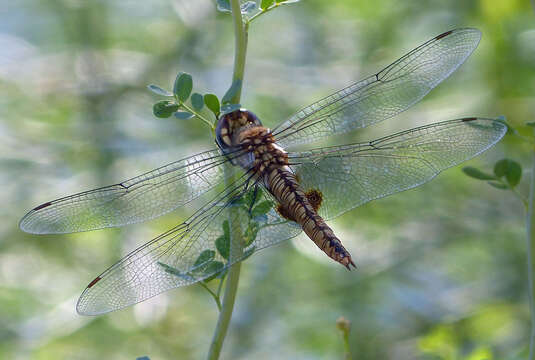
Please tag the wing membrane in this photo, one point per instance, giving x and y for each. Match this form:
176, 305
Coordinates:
186, 254
139, 199
351, 175
383, 95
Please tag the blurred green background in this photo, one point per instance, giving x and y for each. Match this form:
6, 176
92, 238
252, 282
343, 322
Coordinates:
441, 269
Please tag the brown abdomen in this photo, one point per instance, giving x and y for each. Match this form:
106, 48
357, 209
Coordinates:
302, 208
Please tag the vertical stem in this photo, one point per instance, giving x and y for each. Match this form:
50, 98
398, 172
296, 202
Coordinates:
530, 229
231, 287
240, 49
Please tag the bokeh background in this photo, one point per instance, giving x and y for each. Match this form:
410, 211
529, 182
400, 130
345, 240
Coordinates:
441, 269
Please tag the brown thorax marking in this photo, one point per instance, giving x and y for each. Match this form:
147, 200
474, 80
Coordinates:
242, 129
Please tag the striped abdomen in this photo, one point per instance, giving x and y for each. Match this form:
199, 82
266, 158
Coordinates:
301, 207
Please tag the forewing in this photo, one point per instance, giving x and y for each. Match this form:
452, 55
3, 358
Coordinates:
144, 197
195, 250
383, 95
351, 175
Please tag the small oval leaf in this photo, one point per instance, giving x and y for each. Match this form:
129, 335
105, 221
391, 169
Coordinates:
183, 86
164, 108
158, 90
500, 168
215, 267
477, 174
183, 115
197, 101
212, 102
514, 173
204, 257
266, 4
222, 245
510, 169
498, 185
262, 208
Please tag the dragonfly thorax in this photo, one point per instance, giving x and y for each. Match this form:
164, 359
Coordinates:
241, 136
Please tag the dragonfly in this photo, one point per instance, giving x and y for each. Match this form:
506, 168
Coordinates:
257, 190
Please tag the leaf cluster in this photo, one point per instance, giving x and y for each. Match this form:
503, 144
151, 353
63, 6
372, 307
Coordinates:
256, 208
182, 93
507, 174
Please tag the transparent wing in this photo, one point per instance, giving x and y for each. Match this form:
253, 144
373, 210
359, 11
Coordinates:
195, 250
351, 175
139, 199
383, 95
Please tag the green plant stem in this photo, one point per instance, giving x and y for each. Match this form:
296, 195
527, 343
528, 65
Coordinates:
240, 50
189, 109
233, 276
347, 352
214, 295
530, 227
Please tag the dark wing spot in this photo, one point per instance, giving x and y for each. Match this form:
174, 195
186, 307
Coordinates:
443, 35
96, 280
315, 198
469, 119
284, 213
42, 206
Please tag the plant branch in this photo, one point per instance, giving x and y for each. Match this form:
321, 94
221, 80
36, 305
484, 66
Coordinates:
530, 227
214, 295
263, 11
197, 114
236, 238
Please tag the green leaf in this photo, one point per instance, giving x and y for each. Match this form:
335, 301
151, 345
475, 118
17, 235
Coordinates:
250, 233
477, 174
228, 108
222, 245
262, 208
170, 269
500, 168
164, 108
252, 196
197, 101
214, 267
226, 228
183, 86
511, 169
158, 90
204, 257
223, 5
231, 92
514, 173
266, 3
212, 103
183, 115
498, 185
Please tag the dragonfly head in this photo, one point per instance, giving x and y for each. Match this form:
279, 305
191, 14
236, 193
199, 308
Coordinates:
231, 125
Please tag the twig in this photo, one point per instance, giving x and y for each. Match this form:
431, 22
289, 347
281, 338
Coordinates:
240, 33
